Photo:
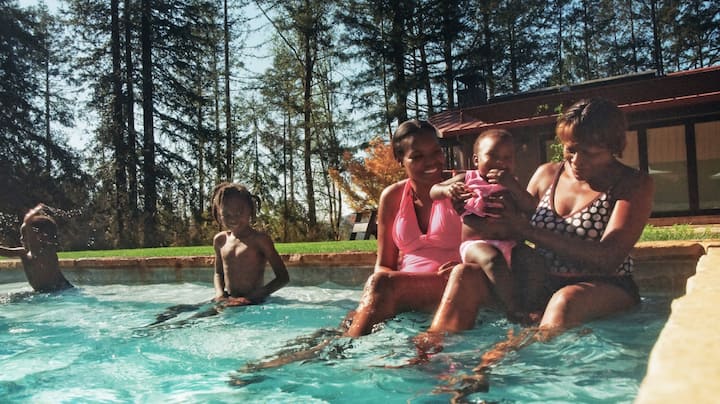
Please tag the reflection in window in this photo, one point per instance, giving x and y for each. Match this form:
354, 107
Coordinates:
668, 167
708, 163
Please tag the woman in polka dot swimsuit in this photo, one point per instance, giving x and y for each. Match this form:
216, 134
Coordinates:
591, 213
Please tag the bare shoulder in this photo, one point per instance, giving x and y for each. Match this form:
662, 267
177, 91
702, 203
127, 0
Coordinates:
393, 191
634, 183
220, 238
543, 177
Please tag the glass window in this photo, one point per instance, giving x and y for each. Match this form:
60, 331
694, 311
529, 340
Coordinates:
707, 142
630, 155
668, 166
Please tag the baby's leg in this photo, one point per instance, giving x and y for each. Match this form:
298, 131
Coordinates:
497, 271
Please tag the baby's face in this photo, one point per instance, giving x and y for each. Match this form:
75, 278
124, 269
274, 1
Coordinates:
494, 153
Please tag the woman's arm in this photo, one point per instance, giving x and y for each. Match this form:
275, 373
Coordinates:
12, 252
624, 228
387, 251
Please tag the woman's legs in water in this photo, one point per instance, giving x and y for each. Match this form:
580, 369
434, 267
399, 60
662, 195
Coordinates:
579, 303
389, 293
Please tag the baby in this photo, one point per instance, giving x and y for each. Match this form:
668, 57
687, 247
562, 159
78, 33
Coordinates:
494, 158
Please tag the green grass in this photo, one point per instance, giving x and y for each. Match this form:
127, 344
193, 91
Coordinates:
283, 248
651, 233
677, 232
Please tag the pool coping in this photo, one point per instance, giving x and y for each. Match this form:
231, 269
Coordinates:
683, 364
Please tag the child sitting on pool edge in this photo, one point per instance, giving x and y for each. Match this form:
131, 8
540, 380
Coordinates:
38, 234
241, 251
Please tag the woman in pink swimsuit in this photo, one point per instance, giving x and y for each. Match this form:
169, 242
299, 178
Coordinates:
418, 239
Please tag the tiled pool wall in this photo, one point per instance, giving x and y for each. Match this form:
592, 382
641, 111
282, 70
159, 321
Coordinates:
660, 268
684, 365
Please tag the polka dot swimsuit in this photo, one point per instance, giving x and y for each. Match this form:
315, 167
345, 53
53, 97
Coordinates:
586, 224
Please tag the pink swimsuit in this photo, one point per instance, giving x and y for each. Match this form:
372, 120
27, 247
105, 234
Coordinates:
426, 252
476, 206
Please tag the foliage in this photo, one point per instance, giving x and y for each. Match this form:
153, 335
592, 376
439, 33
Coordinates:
363, 179
340, 73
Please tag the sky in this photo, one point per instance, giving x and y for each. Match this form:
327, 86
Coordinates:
78, 136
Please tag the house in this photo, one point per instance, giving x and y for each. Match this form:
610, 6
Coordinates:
673, 133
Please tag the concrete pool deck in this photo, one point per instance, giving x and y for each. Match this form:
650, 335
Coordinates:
684, 365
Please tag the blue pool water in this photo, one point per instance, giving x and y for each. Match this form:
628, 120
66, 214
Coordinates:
90, 345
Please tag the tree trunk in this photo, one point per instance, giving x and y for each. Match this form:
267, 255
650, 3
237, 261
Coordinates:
132, 159
120, 154
307, 129
228, 117
149, 174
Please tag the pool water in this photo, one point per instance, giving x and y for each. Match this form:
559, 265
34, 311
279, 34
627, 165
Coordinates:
92, 345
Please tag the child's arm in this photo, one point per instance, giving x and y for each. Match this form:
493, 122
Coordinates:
12, 252
219, 277
452, 188
278, 266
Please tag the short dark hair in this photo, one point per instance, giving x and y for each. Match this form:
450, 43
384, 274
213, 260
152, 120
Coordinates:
502, 134
229, 189
595, 121
407, 129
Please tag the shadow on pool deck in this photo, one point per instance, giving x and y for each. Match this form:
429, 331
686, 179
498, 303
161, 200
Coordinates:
684, 365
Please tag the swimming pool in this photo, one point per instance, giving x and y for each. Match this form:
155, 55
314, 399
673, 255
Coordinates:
91, 345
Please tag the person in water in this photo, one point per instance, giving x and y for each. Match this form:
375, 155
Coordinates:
39, 237
592, 211
241, 252
494, 159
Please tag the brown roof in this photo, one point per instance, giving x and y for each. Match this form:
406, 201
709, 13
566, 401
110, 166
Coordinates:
632, 93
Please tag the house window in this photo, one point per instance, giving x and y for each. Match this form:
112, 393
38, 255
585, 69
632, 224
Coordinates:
630, 156
668, 166
707, 149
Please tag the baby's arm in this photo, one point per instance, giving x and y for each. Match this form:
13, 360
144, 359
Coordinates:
219, 277
453, 188
12, 252
278, 266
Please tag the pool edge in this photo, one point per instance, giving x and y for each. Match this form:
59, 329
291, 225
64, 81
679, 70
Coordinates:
684, 364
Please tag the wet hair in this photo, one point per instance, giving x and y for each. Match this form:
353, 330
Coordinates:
501, 134
44, 226
597, 122
229, 190
405, 131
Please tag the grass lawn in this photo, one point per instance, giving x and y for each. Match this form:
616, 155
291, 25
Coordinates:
651, 233
283, 248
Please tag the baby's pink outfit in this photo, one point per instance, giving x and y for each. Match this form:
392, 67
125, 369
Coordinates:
426, 252
476, 206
